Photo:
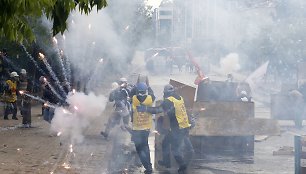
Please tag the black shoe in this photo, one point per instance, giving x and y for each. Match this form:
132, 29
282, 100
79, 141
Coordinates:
6, 118
104, 134
182, 170
164, 164
148, 171
14, 118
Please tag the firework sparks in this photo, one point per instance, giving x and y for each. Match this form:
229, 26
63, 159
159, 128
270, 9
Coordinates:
41, 55
32, 59
155, 54
101, 60
21, 92
71, 148
202, 109
76, 108
59, 134
66, 166
54, 40
53, 75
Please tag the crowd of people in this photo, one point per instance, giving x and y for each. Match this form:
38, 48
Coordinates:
133, 104
17, 92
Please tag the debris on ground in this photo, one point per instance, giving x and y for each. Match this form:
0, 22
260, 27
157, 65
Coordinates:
285, 150
261, 138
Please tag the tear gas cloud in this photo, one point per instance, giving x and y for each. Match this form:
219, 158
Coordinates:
230, 63
94, 45
83, 110
100, 35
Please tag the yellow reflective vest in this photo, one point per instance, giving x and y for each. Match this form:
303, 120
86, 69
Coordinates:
180, 112
141, 120
11, 94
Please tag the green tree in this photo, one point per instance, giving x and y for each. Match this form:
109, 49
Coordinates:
15, 15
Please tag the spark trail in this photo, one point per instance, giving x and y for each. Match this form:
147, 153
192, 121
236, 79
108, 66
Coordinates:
60, 59
52, 74
33, 60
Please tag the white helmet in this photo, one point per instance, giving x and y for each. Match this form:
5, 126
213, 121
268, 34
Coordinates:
115, 85
123, 80
41, 78
23, 71
14, 74
243, 93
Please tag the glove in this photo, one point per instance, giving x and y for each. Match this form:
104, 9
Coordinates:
141, 108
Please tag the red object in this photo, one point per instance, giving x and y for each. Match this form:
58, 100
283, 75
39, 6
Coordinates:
201, 75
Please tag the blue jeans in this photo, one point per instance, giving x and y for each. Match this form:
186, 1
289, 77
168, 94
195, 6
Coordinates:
180, 141
140, 139
180, 144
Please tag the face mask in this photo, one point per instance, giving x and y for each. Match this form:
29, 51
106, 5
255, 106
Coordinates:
142, 93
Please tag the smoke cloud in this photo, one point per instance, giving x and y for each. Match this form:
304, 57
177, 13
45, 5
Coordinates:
94, 45
230, 63
83, 109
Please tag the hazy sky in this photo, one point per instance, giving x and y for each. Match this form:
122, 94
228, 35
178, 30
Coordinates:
154, 3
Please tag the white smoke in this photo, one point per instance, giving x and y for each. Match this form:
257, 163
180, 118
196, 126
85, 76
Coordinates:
230, 63
83, 110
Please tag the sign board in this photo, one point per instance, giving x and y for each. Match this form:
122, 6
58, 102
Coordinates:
186, 91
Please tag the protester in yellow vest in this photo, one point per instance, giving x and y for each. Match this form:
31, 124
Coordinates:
141, 125
10, 96
174, 107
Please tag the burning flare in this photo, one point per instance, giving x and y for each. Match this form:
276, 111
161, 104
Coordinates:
41, 55
70, 148
155, 54
66, 166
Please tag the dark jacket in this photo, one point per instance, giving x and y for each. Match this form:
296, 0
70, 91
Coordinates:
49, 96
168, 107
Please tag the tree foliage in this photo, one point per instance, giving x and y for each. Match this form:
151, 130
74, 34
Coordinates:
15, 15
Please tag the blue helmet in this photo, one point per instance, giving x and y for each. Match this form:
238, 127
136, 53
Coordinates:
169, 89
141, 87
